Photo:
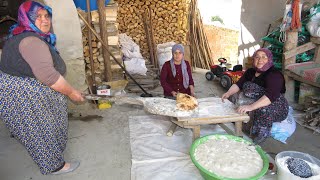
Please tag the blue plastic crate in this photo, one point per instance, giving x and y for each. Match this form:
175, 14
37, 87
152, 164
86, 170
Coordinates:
82, 4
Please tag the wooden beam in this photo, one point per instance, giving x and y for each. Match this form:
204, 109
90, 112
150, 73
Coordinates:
299, 78
212, 117
315, 40
90, 46
316, 57
298, 50
217, 121
227, 129
104, 37
291, 43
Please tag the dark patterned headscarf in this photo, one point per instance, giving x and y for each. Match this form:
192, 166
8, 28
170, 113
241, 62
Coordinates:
27, 16
269, 63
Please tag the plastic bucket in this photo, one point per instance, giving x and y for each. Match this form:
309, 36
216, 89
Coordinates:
282, 171
82, 4
207, 175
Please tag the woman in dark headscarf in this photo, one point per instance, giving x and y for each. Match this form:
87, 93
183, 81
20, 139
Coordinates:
33, 91
266, 86
176, 74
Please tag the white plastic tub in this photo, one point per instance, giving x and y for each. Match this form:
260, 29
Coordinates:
284, 173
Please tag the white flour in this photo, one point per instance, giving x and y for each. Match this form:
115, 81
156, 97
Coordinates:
229, 158
287, 175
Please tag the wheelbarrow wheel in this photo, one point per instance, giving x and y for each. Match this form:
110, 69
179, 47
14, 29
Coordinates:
209, 76
225, 82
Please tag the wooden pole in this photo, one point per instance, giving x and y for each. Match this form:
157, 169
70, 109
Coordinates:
147, 31
291, 43
90, 45
119, 63
152, 39
104, 37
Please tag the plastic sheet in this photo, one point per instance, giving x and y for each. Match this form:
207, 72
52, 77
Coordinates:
156, 156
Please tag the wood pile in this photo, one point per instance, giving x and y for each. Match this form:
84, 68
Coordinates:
312, 115
167, 18
112, 30
199, 47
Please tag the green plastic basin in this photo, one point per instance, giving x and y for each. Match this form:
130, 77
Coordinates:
211, 176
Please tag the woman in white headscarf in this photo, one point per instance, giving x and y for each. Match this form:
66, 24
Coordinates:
176, 76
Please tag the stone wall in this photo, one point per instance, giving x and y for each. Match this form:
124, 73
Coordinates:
223, 43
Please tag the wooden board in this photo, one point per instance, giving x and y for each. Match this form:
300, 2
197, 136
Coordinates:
298, 50
299, 78
214, 109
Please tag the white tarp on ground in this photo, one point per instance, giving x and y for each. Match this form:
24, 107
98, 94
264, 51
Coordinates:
156, 156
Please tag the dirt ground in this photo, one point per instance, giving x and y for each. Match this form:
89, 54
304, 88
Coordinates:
100, 140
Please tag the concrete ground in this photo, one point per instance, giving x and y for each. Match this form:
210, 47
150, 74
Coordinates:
100, 140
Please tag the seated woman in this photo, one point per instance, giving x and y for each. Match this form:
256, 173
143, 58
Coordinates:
266, 86
176, 74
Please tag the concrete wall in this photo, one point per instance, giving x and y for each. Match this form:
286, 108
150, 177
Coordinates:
66, 26
256, 15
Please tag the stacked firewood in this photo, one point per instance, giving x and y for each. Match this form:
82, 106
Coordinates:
168, 21
312, 109
98, 60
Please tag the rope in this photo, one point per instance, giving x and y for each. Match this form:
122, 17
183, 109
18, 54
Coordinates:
295, 22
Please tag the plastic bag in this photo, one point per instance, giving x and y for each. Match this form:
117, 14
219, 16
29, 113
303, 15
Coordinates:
136, 66
133, 60
164, 53
129, 48
281, 131
314, 22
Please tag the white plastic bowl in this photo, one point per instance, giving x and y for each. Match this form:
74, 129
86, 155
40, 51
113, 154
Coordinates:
284, 173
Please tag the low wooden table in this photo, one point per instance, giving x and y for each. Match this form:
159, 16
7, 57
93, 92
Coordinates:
209, 115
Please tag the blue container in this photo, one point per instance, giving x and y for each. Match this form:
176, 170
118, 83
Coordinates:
82, 4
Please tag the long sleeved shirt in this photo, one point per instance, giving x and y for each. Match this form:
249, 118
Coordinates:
272, 80
170, 83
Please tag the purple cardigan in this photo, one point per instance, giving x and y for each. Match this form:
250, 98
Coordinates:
170, 83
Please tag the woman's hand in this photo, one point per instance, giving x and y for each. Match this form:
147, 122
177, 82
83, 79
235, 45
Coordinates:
76, 96
192, 91
232, 90
225, 96
174, 94
244, 109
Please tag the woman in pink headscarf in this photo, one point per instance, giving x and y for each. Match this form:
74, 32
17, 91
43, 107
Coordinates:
33, 91
266, 87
